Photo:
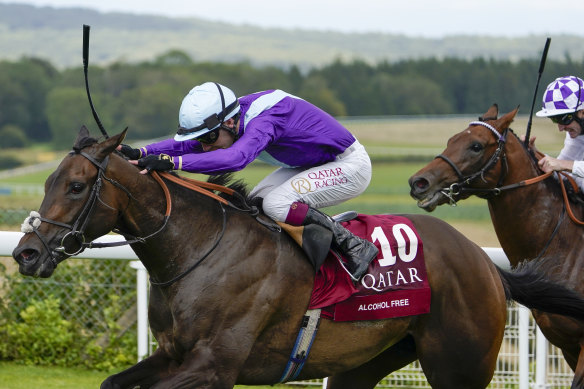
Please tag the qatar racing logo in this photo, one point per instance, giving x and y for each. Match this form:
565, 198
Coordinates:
301, 185
318, 179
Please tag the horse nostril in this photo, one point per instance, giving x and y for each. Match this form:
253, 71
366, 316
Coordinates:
26, 255
420, 184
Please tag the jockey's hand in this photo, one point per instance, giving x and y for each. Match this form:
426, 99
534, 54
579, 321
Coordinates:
154, 162
549, 164
531, 143
129, 152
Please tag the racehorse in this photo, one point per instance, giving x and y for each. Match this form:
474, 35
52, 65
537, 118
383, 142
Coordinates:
528, 208
228, 295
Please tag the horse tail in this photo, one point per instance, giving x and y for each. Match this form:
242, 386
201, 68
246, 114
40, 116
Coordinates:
534, 290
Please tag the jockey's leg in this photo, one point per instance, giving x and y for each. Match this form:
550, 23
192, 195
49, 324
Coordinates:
358, 252
293, 195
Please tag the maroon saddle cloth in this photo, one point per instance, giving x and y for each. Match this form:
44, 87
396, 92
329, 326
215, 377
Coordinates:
396, 283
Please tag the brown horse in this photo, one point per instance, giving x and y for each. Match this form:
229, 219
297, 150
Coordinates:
229, 294
529, 215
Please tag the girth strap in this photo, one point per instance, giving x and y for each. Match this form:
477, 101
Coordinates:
306, 335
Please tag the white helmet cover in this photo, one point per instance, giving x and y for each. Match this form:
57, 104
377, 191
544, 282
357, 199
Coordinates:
563, 95
204, 108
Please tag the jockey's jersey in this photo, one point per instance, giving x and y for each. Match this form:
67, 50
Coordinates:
275, 127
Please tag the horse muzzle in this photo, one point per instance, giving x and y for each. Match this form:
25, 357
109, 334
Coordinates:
422, 191
36, 262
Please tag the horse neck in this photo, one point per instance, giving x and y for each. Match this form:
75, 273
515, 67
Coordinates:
194, 221
524, 218
145, 199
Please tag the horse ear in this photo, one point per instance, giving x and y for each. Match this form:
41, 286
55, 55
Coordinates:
83, 134
493, 112
110, 144
506, 120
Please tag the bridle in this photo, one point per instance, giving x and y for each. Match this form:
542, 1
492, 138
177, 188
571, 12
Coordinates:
75, 237
462, 185
77, 229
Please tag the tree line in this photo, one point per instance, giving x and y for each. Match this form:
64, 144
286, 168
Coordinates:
40, 104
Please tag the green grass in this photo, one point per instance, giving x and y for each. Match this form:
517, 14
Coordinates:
15, 376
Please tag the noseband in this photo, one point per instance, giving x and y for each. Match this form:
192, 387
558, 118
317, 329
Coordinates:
464, 181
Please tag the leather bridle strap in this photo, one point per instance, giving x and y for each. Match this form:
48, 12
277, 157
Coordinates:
539, 156
205, 188
197, 186
566, 200
452, 165
529, 181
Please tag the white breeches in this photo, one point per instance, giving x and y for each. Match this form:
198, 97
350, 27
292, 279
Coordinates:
321, 186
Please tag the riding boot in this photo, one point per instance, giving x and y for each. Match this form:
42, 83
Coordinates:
359, 252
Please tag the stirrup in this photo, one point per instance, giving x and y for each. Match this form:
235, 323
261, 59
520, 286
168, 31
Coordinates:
345, 216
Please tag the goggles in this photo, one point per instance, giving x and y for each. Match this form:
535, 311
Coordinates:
209, 137
564, 119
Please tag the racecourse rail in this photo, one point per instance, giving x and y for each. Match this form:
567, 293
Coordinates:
10, 239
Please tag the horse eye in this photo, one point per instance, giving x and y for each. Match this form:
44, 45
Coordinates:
77, 187
476, 147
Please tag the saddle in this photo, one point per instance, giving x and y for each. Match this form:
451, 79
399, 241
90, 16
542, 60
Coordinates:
315, 240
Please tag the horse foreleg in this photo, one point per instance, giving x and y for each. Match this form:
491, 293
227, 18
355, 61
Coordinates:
369, 374
144, 374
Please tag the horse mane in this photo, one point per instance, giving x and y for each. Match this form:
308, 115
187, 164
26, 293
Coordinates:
227, 180
241, 199
529, 151
84, 142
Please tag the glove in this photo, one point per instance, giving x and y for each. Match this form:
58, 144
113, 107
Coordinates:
130, 152
156, 162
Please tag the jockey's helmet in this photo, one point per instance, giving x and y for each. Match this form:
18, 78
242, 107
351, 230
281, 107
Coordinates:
563, 95
204, 109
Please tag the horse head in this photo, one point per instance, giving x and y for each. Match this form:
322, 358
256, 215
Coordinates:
75, 192
472, 162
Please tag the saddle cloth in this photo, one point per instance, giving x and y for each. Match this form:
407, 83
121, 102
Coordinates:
395, 285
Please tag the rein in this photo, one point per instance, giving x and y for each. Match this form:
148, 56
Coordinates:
565, 196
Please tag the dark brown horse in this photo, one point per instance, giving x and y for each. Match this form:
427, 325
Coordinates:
530, 216
230, 294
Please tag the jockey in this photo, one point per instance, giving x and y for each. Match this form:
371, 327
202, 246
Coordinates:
563, 103
320, 162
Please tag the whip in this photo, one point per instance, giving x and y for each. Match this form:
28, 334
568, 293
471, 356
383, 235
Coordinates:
86, 29
541, 66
